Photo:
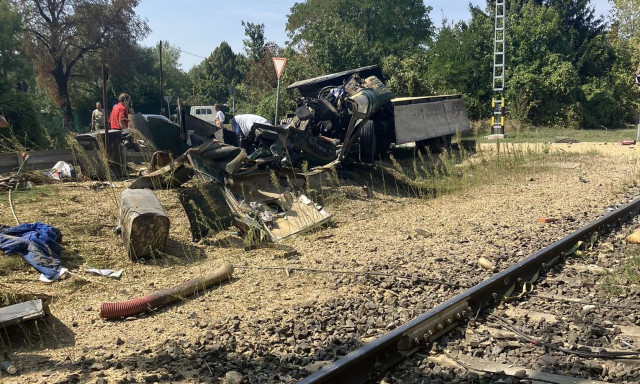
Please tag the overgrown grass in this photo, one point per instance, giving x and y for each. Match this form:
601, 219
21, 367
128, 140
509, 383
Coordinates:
519, 133
11, 263
419, 174
628, 273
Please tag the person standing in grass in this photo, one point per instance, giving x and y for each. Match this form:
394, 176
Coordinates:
97, 121
120, 114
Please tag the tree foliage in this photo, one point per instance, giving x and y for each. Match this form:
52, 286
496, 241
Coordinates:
61, 33
565, 66
17, 107
214, 76
254, 43
13, 64
343, 34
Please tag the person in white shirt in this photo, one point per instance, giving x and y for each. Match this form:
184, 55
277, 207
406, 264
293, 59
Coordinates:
219, 115
242, 124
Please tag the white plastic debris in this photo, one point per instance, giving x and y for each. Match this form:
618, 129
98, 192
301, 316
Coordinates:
106, 272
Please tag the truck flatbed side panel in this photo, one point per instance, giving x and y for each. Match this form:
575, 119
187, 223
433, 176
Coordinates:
424, 119
423, 99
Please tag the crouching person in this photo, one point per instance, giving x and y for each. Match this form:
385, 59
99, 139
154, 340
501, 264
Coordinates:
242, 125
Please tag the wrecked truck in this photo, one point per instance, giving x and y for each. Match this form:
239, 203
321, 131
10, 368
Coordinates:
353, 114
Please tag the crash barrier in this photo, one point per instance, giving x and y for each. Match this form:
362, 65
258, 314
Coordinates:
116, 310
38, 160
11, 161
144, 225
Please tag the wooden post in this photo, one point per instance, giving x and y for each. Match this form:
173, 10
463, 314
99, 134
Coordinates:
161, 91
105, 107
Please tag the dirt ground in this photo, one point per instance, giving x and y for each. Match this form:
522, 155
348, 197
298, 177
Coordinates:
393, 233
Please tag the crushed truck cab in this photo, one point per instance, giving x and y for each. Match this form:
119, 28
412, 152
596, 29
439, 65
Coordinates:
367, 113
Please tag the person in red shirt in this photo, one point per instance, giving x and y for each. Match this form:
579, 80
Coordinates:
119, 115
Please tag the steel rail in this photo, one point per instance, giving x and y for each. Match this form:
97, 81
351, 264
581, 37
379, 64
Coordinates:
370, 360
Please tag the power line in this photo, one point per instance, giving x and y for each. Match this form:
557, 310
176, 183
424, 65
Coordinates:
192, 54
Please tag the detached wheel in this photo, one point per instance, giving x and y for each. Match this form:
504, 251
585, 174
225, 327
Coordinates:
368, 143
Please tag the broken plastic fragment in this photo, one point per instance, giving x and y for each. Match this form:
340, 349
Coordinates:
106, 272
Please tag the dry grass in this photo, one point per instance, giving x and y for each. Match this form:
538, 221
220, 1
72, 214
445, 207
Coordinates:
381, 216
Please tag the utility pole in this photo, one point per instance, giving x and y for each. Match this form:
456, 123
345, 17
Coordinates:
161, 90
105, 114
497, 102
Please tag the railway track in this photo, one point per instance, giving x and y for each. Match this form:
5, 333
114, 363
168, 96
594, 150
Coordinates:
565, 325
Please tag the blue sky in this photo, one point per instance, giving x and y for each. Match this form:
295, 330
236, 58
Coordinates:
197, 27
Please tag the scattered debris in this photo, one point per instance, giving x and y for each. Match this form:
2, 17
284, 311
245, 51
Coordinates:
628, 142
143, 223
634, 238
566, 141
18, 313
547, 220
123, 309
8, 367
106, 272
486, 264
14, 182
99, 185
38, 243
207, 209
62, 171
233, 189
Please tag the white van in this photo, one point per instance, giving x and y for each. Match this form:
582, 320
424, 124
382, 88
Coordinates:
204, 112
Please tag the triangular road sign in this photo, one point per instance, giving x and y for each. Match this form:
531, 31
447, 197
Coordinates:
279, 63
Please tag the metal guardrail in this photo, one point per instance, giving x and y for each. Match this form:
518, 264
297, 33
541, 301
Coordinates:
11, 161
366, 362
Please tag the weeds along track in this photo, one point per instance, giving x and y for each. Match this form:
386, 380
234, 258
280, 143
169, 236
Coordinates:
390, 256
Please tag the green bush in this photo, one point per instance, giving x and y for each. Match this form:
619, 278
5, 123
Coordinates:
25, 130
600, 108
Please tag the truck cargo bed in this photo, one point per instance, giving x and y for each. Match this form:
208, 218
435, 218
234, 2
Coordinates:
421, 118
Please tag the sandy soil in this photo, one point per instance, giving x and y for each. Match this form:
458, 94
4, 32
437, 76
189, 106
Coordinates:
400, 235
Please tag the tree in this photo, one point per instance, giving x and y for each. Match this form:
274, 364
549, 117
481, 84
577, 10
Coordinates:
61, 33
17, 107
140, 79
254, 43
214, 76
341, 34
14, 66
626, 15
457, 60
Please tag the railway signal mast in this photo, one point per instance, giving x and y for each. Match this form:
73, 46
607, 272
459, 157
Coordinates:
497, 102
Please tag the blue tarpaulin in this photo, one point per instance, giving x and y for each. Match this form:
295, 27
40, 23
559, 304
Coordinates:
37, 242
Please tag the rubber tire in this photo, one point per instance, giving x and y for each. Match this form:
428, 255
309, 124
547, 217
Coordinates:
368, 143
437, 144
